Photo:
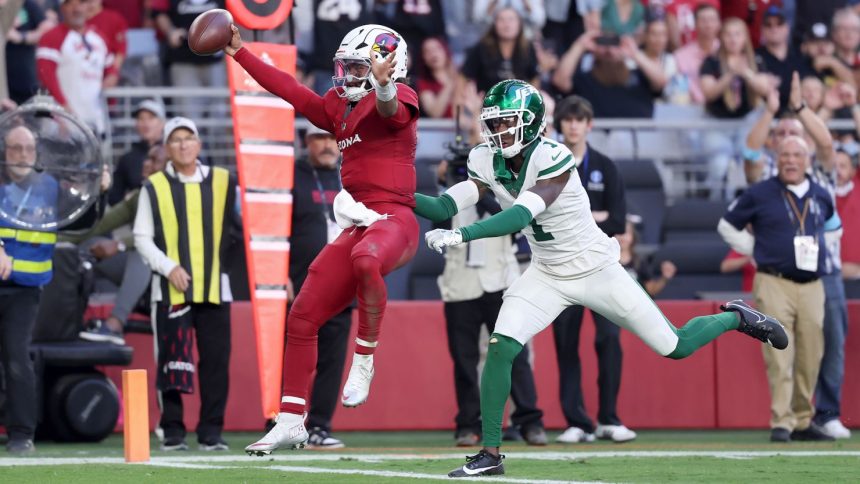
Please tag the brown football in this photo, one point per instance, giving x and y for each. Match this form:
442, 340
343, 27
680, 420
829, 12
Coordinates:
210, 32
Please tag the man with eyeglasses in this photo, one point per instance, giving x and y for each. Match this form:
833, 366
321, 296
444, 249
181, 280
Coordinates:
30, 197
182, 229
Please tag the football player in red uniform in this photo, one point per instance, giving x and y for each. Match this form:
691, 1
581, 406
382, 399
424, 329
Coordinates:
374, 119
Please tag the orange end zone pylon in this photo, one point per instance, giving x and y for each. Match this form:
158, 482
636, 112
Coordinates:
135, 404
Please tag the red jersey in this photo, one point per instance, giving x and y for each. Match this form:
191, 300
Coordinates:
378, 153
112, 27
684, 12
848, 207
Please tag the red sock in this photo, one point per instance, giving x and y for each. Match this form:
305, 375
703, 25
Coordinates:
372, 297
300, 361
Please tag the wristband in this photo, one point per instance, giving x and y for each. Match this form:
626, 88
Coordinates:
801, 108
385, 93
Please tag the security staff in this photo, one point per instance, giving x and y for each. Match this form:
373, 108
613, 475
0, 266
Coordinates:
317, 182
30, 197
182, 230
599, 175
789, 215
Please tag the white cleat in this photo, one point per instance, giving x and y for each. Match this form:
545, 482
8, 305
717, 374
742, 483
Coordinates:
574, 435
288, 433
357, 386
615, 433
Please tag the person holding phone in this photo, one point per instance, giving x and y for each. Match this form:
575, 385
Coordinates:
613, 73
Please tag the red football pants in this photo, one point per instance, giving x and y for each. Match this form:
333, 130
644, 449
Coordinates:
353, 265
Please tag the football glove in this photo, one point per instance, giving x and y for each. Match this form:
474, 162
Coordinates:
440, 238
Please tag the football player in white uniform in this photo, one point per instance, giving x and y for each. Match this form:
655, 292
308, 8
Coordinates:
573, 261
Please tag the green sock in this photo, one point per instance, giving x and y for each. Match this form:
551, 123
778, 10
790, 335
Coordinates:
701, 331
496, 386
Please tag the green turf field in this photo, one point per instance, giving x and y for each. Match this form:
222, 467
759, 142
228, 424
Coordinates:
389, 457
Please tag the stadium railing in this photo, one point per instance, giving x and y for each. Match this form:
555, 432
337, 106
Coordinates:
674, 140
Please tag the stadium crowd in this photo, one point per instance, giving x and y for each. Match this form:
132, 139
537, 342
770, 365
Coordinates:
782, 68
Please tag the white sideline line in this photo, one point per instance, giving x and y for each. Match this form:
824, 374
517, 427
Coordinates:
314, 456
364, 472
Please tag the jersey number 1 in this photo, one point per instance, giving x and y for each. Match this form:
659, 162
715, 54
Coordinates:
540, 235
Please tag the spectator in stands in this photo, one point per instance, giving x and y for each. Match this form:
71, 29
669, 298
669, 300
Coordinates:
186, 68
20, 284
414, 20
136, 13
846, 39
637, 267
810, 12
184, 293
566, 20
116, 260
848, 205
681, 19
8, 13
622, 17
531, 13
812, 91
325, 23
734, 262
601, 74
785, 245
29, 26
655, 45
605, 189
503, 53
732, 86
776, 56
800, 120
691, 56
730, 80
317, 182
437, 79
821, 59
112, 27
838, 102
127, 176
472, 283
75, 65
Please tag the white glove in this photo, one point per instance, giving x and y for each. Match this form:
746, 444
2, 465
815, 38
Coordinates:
348, 212
439, 238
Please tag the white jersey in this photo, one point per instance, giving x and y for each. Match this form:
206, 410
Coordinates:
565, 233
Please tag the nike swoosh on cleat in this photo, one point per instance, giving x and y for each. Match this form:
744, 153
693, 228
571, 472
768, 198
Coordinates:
479, 470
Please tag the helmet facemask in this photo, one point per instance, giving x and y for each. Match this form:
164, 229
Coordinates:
516, 120
351, 77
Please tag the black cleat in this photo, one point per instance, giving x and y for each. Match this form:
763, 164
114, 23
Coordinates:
481, 464
811, 434
758, 325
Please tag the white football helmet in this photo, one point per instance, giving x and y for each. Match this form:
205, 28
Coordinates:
361, 46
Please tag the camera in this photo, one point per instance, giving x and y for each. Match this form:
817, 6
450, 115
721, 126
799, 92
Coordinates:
457, 158
608, 40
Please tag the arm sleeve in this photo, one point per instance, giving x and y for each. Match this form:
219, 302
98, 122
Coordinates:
738, 239
505, 222
436, 209
144, 238
307, 103
616, 204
